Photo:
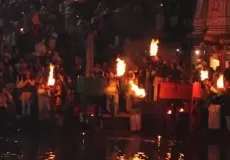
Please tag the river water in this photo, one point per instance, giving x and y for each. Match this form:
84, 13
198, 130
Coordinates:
69, 143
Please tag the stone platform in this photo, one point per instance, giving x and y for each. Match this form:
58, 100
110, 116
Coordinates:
153, 119
150, 113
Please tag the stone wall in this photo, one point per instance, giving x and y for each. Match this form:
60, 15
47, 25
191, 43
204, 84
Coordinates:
214, 15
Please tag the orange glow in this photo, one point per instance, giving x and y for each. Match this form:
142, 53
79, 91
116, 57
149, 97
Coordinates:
203, 75
121, 67
137, 156
51, 80
220, 81
159, 138
181, 110
154, 47
139, 92
169, 112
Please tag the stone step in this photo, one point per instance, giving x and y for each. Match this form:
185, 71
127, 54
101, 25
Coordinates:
115, 123
148, 122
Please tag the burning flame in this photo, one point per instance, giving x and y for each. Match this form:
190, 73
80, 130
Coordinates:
220, 81
139, 92
51, 80
203, 75
154, 47
121, 66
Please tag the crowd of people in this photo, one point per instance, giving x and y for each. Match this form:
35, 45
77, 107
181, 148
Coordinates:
28, 47
30, 42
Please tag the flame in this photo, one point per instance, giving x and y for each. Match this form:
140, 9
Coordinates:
51, 80
220, 81
154, 47
121, 66
139, 92
203, 75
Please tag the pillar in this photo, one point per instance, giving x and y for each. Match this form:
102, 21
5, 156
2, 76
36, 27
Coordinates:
200, 19
222, 60
90, 53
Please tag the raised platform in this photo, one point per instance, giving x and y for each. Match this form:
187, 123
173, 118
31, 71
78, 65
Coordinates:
109, 122
119, 115
122, 120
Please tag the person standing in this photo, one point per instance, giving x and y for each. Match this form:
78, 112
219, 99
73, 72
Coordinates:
6, 38
225, 98
227, 72
3, 107
129, 98
112, 97
58, 106
43, 102
26, 86
157, 72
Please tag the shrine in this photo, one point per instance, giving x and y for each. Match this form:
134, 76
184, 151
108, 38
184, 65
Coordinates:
211, 33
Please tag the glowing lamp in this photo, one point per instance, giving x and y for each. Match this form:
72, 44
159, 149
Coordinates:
159, 138
203, 75
197, 52
181, 110
154, 47
121, 67
51, 80
220, 81
169, 112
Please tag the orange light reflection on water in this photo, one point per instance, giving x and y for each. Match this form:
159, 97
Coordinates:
137, 156
50, 156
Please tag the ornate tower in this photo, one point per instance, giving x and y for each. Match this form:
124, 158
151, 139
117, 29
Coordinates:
214, 16
200, 19
218, 21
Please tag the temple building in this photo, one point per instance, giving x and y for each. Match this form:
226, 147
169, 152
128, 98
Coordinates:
212, 32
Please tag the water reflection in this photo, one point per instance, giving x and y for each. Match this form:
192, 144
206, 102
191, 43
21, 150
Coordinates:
214, 152
88, 146
83, 145
136, 148
181, 156
47, 156
10, 149
121, 148
169, 154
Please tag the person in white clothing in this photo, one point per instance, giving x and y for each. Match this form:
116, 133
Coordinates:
3, 107
26, 86
6, 38
13, 40
43, 101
